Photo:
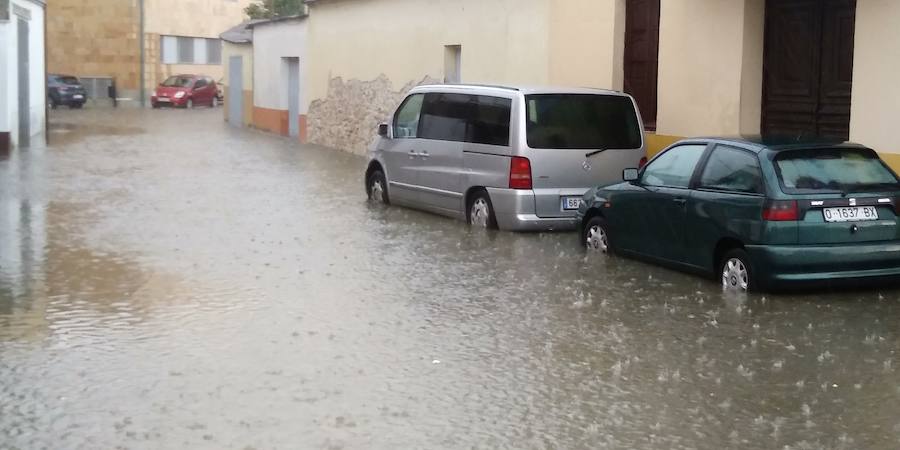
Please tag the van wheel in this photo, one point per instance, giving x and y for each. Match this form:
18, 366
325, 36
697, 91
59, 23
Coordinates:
737, 272
481, 211
376, 188
595, 236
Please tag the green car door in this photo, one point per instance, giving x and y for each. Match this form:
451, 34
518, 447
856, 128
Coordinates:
662, 202
726, 203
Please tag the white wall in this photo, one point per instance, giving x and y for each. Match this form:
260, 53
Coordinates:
9, 33
271, 43
5, 70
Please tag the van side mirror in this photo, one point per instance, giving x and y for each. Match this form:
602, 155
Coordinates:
383, 130
630, 175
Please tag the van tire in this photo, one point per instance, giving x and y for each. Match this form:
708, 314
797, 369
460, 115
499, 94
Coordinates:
480, 211
375, 183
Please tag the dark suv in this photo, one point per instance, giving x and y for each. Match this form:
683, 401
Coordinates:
65, 90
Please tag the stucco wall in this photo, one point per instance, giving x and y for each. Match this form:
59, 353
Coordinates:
9, 121
875, 110
586, 43
197, 18
245, 51
6, 103
364, 55
271, 43
502, 40
702, 69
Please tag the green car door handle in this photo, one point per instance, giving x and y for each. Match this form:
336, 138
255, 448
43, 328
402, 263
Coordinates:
680, 201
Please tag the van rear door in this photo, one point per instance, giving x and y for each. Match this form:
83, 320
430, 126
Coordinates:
578, 141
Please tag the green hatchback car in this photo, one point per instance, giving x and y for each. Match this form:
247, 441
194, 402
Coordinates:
760, 214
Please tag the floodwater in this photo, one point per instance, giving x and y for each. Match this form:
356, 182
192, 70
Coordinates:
167, 281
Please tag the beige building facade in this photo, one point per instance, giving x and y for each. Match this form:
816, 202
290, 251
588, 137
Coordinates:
138, 43
242, 55
696, 67
280, 65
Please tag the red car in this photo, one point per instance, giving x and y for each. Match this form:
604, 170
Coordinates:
185, 91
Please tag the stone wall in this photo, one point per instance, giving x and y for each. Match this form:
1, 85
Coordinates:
348, 117
94, 38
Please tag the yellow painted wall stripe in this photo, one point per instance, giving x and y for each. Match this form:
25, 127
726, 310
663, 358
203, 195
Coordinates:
657, 142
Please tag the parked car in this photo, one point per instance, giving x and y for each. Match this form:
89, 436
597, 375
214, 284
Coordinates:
514, 158
185, 91
65, 90
754, 213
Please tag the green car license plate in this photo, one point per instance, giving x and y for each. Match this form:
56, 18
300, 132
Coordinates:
850, 214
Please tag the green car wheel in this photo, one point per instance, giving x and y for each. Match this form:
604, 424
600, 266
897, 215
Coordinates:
737, 272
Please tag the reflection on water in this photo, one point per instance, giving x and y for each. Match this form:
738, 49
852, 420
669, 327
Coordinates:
227, 289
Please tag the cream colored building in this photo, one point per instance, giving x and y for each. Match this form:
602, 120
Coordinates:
696, 67
237, 78
280, 65
138, 43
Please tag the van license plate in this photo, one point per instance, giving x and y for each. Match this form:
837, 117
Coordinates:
852, 214
570, 203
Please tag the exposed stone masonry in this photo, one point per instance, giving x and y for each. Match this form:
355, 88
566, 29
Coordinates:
348, 117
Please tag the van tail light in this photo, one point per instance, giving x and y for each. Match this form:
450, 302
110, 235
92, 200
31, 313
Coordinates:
642, 162
519, 173
781, 211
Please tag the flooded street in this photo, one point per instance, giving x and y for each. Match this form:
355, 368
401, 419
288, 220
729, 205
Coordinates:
167, 281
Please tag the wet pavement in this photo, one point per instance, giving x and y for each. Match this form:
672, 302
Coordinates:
167, 281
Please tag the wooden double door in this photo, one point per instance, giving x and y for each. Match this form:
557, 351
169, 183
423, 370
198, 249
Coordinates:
808, 68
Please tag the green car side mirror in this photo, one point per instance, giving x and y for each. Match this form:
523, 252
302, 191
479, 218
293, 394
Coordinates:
630, 175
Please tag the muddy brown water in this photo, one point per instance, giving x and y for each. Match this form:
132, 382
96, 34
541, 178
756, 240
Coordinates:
167, 281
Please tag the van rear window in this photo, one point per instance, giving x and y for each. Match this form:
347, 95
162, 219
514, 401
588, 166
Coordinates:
582, 121
841, 170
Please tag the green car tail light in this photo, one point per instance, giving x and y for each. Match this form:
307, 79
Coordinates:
781, 211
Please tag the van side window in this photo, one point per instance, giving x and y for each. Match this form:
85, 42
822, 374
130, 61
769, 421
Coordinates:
406, 121
445, 117
730, 169
489, 122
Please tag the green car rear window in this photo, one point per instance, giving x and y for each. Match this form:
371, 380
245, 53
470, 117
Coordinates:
833, 170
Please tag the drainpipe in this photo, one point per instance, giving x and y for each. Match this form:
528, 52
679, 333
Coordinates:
141, 39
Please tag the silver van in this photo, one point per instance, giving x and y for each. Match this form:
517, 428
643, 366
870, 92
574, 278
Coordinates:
504, 157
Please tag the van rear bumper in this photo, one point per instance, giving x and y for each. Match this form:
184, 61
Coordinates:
514, 210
